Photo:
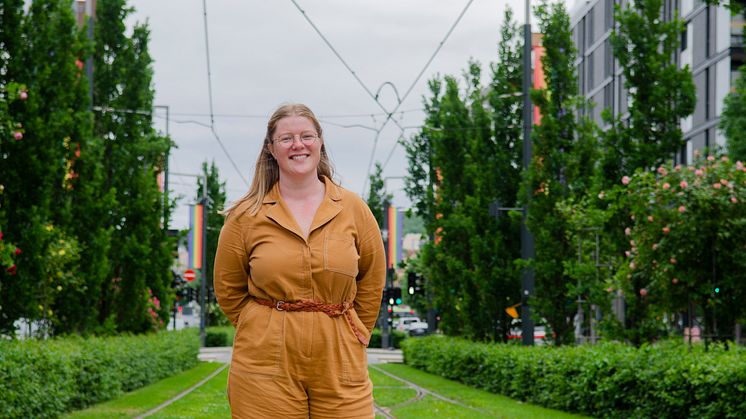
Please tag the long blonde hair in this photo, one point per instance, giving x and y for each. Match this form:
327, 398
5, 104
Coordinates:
267, 172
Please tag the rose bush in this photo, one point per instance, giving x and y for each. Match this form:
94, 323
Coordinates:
687, 238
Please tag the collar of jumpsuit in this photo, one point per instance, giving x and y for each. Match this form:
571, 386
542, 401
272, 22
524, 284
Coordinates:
281, 214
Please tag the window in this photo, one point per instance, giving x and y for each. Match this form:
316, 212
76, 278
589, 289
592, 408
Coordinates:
608, 59
589, 37
684, 38
608, 15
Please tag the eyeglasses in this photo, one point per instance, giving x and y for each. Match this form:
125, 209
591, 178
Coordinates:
287, 140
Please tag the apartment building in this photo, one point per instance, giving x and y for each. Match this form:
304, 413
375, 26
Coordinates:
711, 44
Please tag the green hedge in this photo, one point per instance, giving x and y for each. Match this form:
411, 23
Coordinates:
667, 380
216, 336
375, 338
43, 379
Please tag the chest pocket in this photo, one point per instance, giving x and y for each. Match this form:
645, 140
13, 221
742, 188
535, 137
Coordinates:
340, 254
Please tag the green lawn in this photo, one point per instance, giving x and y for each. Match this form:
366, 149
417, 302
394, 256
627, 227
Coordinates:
210, 402
479, 403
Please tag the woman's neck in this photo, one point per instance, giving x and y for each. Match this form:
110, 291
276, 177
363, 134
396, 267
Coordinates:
300, 189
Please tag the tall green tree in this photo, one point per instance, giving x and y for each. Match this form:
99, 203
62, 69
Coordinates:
733, 119
660, 95
42, 46
460, 165
137, 295
377, 196
561, 168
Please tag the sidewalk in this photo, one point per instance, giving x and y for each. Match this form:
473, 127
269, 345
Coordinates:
375, 355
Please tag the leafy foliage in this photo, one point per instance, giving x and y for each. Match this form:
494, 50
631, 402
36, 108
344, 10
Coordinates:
377, 196
464, 161
561, 169
733, 119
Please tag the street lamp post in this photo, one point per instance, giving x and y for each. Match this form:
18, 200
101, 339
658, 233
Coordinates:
527, 239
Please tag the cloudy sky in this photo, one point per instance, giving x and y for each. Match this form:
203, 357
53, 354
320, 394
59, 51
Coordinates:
265, 53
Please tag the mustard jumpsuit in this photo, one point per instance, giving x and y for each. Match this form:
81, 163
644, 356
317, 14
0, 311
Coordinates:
294, 364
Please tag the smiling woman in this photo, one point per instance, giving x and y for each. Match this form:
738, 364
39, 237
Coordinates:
299, 271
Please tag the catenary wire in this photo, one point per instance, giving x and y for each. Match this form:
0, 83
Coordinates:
209, 94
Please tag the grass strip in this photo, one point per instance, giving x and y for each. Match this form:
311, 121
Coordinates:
140, 401
489, 405
209, 401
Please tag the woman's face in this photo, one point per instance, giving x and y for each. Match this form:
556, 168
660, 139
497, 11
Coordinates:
296, 147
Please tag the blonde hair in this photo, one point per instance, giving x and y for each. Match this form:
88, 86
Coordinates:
267, 172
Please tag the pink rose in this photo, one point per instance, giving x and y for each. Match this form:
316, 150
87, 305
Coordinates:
675, 281
682, 209
677, 168
699, 172
627, 231
716, 186
18, 135
724, 158
710, 158
23, 95
655, 246
673, 261
733, 199
666, 186
643, 291
632, 265
662, 171
650, 218
724, 181
601, 195
610, 289
666, 230
628, 253
625, 180
739, 165
683, 184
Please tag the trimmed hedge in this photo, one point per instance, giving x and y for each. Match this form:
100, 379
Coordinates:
217, 336
398, 338
43, 379
666, 380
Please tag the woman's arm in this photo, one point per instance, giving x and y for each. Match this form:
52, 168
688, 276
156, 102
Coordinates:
231, 273
372, 273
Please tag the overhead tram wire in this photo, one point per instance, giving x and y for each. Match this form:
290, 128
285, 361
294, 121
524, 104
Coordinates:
427, 64
209, 94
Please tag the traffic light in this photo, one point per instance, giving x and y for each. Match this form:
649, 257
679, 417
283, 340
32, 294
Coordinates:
396, 294
411, 282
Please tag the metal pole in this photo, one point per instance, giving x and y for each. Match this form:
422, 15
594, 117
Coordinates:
203, 285
527, 239
386, 340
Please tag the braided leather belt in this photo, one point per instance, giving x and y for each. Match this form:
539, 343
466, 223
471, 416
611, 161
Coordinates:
331, 310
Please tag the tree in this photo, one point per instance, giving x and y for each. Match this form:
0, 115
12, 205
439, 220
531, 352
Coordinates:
660, 95
140, 255
561, 169
461, 164
733, 119
377, 196
42, 48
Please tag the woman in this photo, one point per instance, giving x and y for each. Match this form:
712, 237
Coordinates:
299, 271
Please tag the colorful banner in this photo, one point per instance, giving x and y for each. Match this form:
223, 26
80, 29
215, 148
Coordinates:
395, 223
196, 240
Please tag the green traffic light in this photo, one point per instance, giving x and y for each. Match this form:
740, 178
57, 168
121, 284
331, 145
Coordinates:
717, 290
398, 301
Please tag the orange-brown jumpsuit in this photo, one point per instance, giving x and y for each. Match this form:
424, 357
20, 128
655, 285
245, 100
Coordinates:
298, 364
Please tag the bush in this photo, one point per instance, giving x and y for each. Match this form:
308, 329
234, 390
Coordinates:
666, 380
219, 336
375, 338
43, 379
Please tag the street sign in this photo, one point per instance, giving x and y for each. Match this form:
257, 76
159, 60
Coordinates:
190, 275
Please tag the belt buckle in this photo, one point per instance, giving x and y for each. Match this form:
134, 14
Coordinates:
278, 304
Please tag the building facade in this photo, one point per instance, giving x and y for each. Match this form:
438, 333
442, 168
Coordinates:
711, 44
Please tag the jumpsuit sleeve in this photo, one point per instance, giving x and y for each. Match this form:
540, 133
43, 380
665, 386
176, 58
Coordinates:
231, 272
372, 273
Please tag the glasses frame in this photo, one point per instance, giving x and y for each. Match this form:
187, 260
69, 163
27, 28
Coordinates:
286, 142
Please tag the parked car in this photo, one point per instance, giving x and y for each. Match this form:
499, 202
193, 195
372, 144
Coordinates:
418, 328
402, 323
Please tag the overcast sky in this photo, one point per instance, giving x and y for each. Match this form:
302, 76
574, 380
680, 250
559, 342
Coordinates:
265, 53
